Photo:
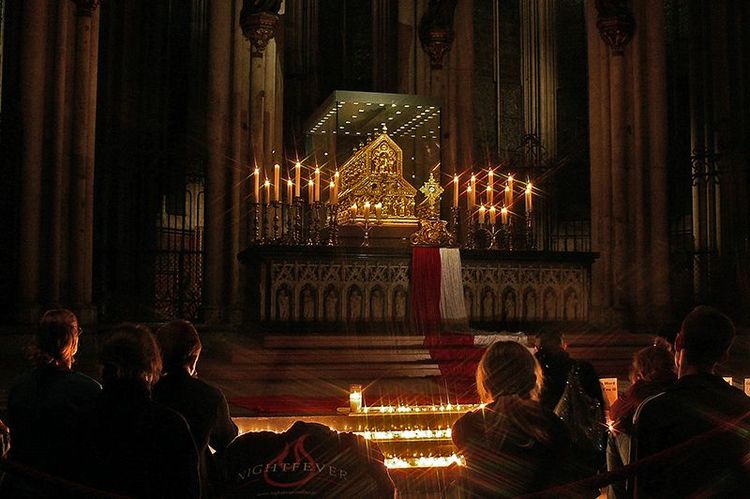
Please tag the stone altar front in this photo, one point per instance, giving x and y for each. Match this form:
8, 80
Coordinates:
354, 285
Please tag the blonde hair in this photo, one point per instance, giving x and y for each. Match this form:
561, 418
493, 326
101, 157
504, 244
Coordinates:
508, 368
56, 339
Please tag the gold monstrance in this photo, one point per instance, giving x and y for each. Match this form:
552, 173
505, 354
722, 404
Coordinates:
374, 174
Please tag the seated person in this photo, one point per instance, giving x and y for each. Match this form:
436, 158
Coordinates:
202, 405
307, 460
127, 443
695, 433
652, 372
513, 446
43, 405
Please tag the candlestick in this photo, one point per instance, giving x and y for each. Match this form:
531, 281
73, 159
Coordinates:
378, 210
469, 198
367, 210
267, 185
482, 214
289, 187
276, 182
528, 195
297, 178
509, 202
490, 195
353, 210
336, 185
455, 191
256, 185
504, 215
332, 193
472, 191
490, 180
508, 196
311, 191
317, 184
493, 215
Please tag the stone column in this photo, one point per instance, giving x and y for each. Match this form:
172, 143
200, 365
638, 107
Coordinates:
33, 76
217, 127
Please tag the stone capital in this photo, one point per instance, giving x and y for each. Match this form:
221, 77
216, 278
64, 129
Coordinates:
615, 23
86, 7
436, 30
258, 28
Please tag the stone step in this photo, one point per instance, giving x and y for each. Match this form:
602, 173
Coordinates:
353, 372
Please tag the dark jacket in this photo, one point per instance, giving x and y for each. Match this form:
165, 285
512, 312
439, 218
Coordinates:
556, 366
503, 456
701, 426
207, 414
43, 408
131, 445
307, 460
621, 412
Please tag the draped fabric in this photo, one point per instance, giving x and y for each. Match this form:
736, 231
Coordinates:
452, 309
425, 290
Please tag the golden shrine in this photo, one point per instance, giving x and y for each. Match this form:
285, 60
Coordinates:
374, 175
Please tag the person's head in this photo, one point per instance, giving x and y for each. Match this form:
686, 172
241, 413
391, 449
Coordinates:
508, 368
652, 364
130, 353
180, 346
56, 339
551, 341
704, 339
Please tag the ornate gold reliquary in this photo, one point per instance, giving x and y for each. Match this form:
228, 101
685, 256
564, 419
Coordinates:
374, 174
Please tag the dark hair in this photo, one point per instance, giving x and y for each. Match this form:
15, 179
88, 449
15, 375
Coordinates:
550, 341
707, 335
654, 363
55, 341
508, 368
130, 352
179, 343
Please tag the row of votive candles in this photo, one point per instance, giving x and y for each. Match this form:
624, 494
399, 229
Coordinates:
508, 191
354, 210
294, 188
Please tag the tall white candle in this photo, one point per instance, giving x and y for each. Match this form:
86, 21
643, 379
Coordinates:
289, 191
473, 191
276, 182
297, 178
317, 184
528, 195
267, 185
455, 191
256, 185
311, 191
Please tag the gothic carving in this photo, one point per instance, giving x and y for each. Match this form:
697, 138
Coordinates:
529, 305
377, 304
509, 305
258, 28
550, 305
355, 304
615, 23
331, 304
399, 304
283, 304
488, 305
570, 310
307, 303
433, 233
86, 7
436, 30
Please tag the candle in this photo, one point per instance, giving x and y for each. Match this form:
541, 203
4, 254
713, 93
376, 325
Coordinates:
378, 210
355, 398
289, 191
482, 214
336, 185
297, 178
473, 191
510, 188
276, 182
332, 193
508, 196
267, 185
490, 196
317, 184
367, 210
528, 198
490, 179
469, 198
311, 191
493, 215
256, 185
504, 215
455, 191
353, 209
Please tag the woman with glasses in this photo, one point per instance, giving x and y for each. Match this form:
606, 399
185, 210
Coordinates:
43, 404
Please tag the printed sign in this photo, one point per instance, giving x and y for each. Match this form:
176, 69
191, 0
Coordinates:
609, 389
728, 379
747, 387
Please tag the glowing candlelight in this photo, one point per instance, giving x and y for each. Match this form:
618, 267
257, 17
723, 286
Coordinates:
289, 191
509, 191
336, 185
297, 178
267, 185
332, 192
367, 210
528, 195
276, 182
493, 215
256, 185
490, 195
378, 210
469, 198
455, 191
317, 184
353, 209
504, 215
490, 186
473, 191
355, 398
311, 191
482, 214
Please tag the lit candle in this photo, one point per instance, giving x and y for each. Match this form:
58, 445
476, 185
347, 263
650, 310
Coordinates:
469, 198
482, 214
311, 191
490, 181
256, 185
267, 185
289, 191
493, 215
504, 215
336, 185
317, 184
528, 198
509, 202
353, 209
455, 191
297, 178
276, 182
378, 210
490, 196
508, 196
472, 191
355, 398
332, 193
367, 210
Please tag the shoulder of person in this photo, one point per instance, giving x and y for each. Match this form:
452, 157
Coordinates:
84, 381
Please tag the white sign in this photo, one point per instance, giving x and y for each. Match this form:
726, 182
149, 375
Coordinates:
609, 389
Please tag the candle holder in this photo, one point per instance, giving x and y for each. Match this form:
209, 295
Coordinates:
275, 236
333, 225
315, 225
264, 224
366, 226
506, 236
455, 217
471, 228
257, 229
289, 221
299, 206
530, 240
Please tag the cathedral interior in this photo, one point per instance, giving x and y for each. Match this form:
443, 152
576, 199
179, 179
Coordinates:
269, 170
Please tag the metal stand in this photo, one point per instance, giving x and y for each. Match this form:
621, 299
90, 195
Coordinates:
333, 225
